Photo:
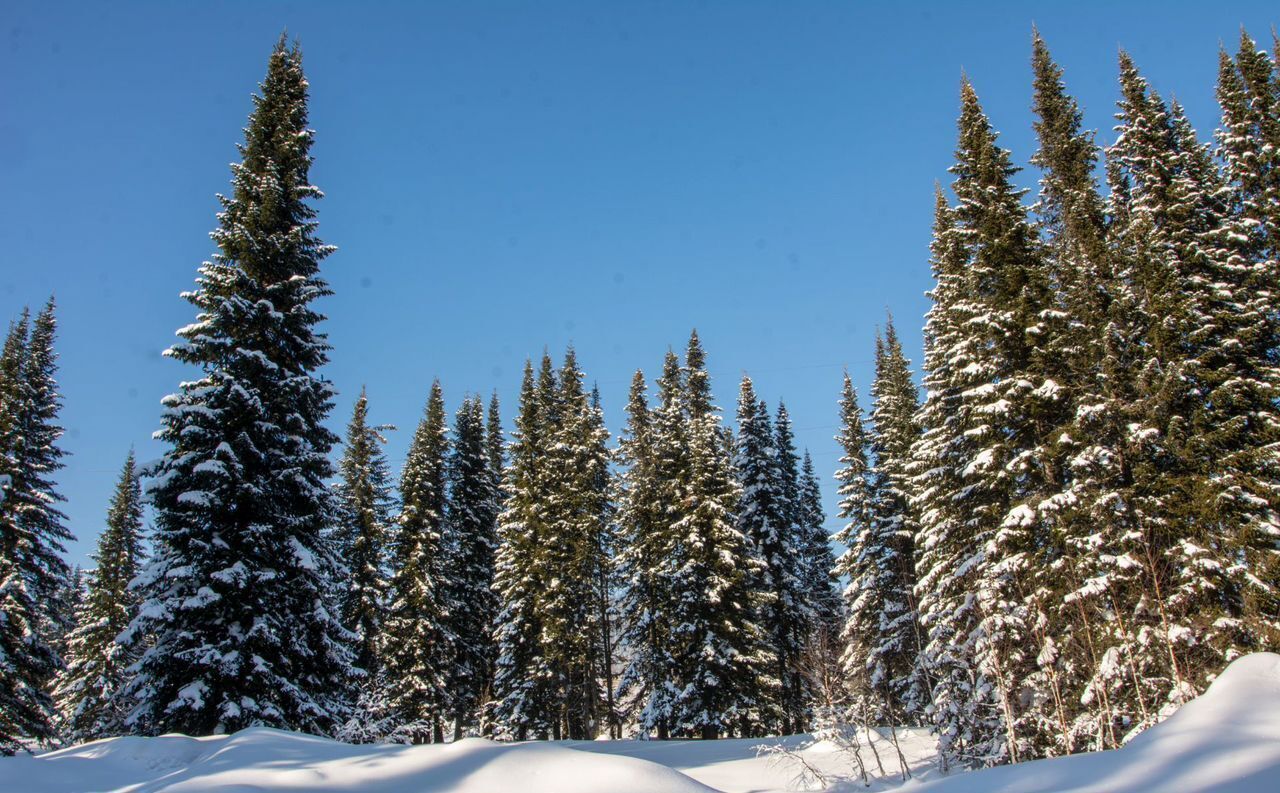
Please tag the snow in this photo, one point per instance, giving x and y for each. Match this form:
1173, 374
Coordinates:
262, 759
1226, 741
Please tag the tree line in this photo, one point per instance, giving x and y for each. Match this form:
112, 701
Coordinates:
1067, 539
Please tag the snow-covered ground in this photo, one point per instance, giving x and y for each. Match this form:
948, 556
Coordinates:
1227, 740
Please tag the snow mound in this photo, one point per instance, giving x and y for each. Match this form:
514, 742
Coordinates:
1226, 741
263, 760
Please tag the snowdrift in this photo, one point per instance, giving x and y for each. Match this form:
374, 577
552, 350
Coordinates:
1226, 741
261, 760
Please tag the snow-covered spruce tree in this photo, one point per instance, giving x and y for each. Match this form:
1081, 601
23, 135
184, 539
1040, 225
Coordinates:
237, 594
496, 453
1202, 403
1000, 393
722, 659
1249, 487
604, 544
763, 518
859, 563
32, 573
795, 694
523, 680
365, 504
947, 547
470, 541
646, 553
416, 644
819, 582
574, 555
892, 661
1088, 464
87, 690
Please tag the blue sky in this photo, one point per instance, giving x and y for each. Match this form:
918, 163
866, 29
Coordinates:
504, 176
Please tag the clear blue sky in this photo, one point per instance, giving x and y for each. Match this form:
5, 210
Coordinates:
504, 176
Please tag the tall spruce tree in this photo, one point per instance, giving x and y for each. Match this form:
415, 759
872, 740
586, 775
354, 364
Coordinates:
417, 645
1003, 324
32, 573
365, 507
646, 552
764, 519
892, 659
721, 654
88, 689
946, 550
1246, 428
800, 616
1202, 403
523, 678
470, 541
860, 563
237, 595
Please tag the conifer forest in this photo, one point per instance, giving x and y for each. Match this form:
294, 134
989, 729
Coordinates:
1058, 526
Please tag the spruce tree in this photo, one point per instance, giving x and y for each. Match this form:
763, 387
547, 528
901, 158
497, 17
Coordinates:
1005, 328
1087, 467
819, 582
470, 541
798, 615
237, 594
416, 645
523, 679
722, 660
946, 549
646, 554
892, 659
87, 690
763, 518
860, 563
1203, 402
32, 572
365, 506
1245, 430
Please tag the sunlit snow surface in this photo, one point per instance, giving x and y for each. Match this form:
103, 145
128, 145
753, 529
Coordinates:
1227, 740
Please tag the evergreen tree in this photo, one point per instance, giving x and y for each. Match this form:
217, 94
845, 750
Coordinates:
946, 549
523, 679
818, 579
237, 594
764, 520
416, 644
647, 552
365, 505
33, 576
861, 564
1245, 428
1203, 404
470, 541
1086, 469
87, 690
798, 612
722, 660
892, 659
